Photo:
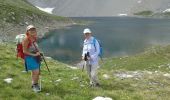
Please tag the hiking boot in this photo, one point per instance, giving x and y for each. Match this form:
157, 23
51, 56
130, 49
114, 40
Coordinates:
36, 88
92, 84
97, 85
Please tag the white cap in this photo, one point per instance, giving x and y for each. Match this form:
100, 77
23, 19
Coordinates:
87, 30
29, 27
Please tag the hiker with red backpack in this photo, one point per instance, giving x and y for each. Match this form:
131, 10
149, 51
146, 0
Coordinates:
90, 55
31, 56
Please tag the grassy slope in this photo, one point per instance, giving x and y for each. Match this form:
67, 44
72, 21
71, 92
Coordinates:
21, 10
148, 87
15, 15
144, 13
152, 14
150, 60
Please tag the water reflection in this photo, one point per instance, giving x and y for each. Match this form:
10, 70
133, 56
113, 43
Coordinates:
119, 36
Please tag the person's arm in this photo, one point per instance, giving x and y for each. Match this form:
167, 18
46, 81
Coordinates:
83, 53
25, 49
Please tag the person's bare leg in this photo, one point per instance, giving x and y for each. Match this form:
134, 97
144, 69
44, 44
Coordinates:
35, 76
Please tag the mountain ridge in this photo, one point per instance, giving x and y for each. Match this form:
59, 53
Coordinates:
91, 8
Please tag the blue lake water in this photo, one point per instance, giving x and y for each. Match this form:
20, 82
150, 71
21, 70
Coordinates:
120, 36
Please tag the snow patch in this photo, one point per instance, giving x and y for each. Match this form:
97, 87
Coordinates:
167, 10
48, 10
122, 14
102, 98
8, 80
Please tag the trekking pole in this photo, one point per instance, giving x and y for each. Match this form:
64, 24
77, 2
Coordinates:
45, 65
45, 62
42, 58
82, 72
83, 66
102, 61
40, 77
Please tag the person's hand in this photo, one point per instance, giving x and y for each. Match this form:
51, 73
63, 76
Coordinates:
37, 54
82, 58
41, 53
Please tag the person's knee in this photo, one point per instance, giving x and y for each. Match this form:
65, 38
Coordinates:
36, 72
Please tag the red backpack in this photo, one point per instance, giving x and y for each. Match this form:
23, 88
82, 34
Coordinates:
19, 48
20, 52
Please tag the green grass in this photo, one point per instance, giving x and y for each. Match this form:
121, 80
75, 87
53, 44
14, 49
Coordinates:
144, 13
167, 13
153, 14
147, 87
155, 58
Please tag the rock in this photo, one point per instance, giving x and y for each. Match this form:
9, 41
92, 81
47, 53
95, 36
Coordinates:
8, 80
156, 71
166, 75
13, 17
48, 57
46, 27
58, 80
4, 19
26, 23
99, 98
82, 85
75, 78
23, 71
105, 76
148, 72
21, 24
128, 74
13, 13
72, 67
102, 98
47, 94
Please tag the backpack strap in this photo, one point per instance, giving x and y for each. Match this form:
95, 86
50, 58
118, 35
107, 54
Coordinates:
94, 42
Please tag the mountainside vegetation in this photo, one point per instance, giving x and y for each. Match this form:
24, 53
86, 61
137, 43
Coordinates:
145, 76
15, 15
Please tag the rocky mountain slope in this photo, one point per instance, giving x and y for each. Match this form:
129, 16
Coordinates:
79, 8
15, 15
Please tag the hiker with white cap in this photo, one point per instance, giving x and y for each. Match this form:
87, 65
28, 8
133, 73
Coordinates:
90, 54
32, 56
